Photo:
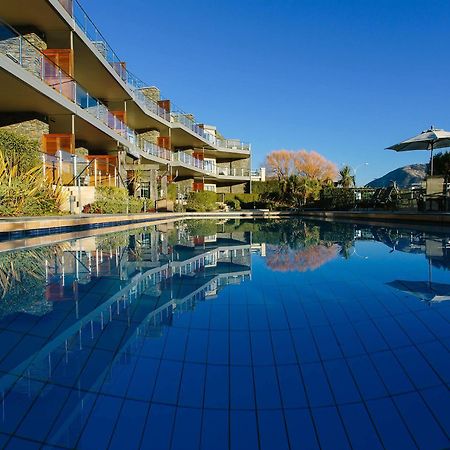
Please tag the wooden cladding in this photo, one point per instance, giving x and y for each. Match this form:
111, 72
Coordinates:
164, 142
62, 57
164, 104
198, 186
58, 70
104, 163
199, 155
121, 115
51, 143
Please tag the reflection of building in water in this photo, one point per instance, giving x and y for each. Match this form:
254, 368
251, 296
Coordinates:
106, 298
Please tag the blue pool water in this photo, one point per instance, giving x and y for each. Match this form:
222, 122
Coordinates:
230, 335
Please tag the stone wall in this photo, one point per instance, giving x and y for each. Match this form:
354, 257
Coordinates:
25, 51
152, 92
30, 125
151, 136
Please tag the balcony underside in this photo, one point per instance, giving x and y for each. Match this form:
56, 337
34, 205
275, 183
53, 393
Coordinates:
20, 97
39, 13
183, 137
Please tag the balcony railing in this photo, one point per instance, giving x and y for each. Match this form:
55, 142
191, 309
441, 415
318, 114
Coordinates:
209, 168
21, 51
231, 172
88, 27
153, 149
189, 160
233, 144
183, 119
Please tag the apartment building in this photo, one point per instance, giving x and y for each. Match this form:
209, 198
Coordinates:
98, 123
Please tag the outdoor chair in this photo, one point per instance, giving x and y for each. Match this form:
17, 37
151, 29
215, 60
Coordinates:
387, 197
435, 194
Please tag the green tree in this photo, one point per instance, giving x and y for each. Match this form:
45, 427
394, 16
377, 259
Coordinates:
441, 163
346, 179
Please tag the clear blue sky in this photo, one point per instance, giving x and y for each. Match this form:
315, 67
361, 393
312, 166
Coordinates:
345, 78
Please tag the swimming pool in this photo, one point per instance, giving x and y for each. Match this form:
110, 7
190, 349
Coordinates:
228, 335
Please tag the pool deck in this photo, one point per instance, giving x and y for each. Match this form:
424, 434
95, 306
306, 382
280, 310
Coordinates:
424, 218
54, 223
59, 224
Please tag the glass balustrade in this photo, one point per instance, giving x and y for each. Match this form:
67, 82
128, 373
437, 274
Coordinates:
153, 149
233, 144
89, 29
18, 49
87, 26
21, 51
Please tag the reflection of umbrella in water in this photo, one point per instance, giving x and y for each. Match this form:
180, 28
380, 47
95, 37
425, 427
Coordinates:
427, 291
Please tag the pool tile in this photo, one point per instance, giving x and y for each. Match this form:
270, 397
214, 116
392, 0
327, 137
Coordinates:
330, 430
243, 430
367, 378
272, 430
242, 388
437, 400
266, 387
192, 385
426, 431
316, 384
187, 428
129, 426
390, 425
240, 351
215, 430
261, 345
417, 368
158, 428
301, 430
291, 387
167, 382
98, 429
217, 387
392, 374
341, 380
143, 379
361, 431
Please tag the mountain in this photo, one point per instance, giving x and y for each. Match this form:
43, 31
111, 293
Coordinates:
403, 176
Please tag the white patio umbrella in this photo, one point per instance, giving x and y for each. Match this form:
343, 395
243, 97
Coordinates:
427, 140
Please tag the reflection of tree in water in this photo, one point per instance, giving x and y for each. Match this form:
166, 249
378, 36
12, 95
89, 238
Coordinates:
285, 259
301, 246
22, 279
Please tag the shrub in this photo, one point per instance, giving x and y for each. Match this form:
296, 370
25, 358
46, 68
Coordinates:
337, 198
201, 227
114, 200
201, 201
20, 151
25, 192
233, 203
263, 187
172, 192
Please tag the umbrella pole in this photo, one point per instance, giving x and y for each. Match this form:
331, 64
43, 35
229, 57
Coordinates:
431, 160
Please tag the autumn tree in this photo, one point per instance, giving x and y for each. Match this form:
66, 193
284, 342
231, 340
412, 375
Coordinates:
280, 163
314, 166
